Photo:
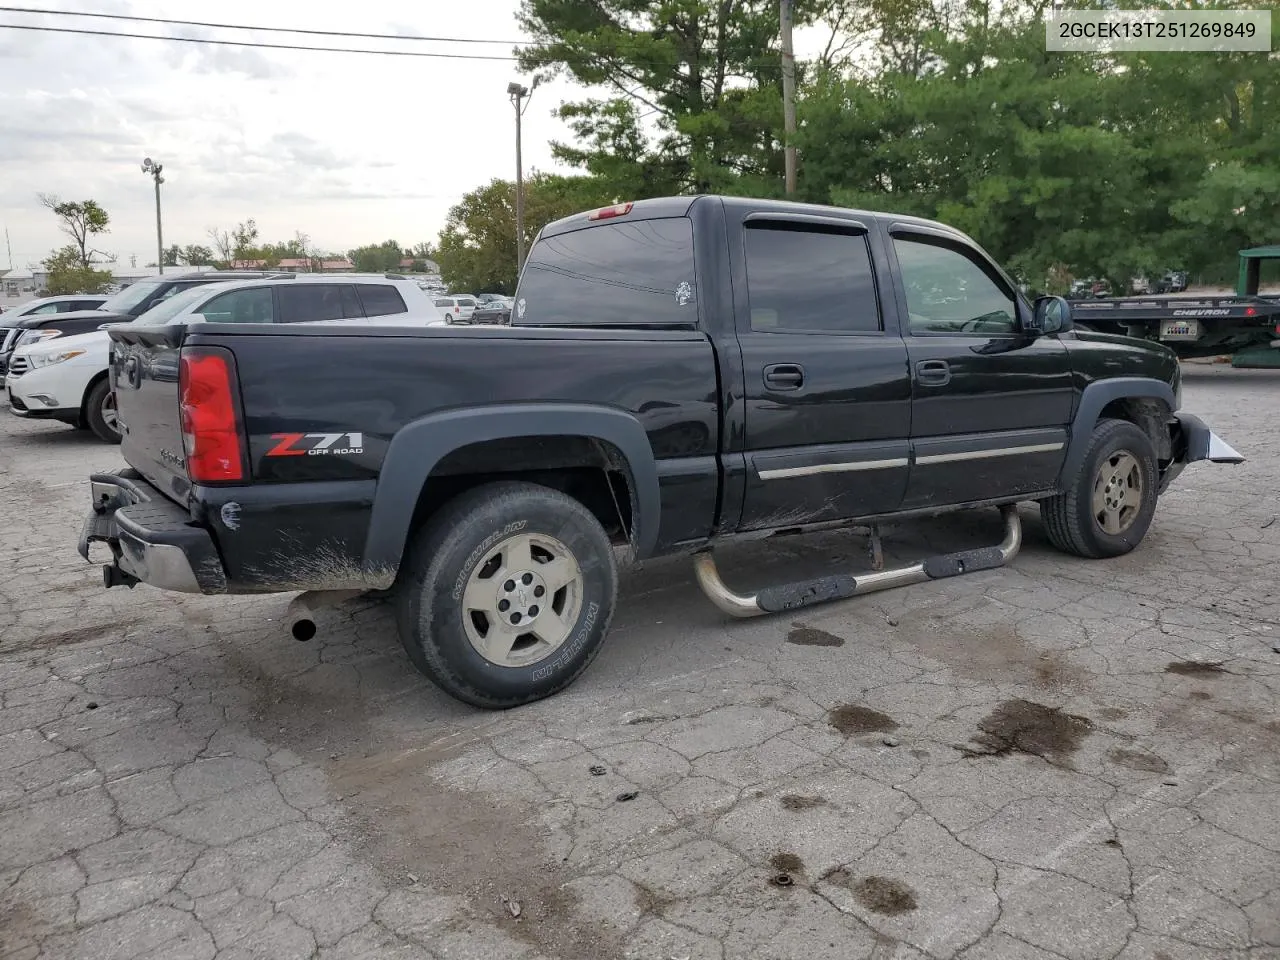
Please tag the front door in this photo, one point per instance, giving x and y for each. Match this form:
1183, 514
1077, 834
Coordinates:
826, 385
990, 404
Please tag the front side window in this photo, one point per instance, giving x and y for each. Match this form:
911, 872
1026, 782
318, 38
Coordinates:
171, 306
806, 280
249, 305
947, 292
310, 302
618, 273
380, 299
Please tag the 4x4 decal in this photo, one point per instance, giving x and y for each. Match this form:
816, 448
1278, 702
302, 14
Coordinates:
315, 444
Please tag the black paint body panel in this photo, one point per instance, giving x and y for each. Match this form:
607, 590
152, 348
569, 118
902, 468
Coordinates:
710, 449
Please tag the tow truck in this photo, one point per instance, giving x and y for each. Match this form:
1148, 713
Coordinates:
1247, 326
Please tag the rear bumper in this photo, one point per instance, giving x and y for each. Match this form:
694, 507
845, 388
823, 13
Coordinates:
152, 539
1193, 441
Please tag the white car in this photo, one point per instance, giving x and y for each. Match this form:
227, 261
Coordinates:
370, 299
457, 308
66, 378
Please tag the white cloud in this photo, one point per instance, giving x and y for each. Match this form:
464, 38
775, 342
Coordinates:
349, 149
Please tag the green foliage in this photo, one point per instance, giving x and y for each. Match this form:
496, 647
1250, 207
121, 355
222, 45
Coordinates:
477, 250
80, 220
195, 255
384, 257
1062, 165
68, 275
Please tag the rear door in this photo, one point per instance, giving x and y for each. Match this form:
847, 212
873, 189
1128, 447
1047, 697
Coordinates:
828, 397
990, 404
313, 303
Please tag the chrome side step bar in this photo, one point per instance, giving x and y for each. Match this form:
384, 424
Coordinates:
842, 586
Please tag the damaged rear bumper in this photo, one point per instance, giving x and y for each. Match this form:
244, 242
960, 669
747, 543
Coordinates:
152, 539
1193, 441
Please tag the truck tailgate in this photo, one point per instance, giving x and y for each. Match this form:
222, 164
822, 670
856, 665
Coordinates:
144, 375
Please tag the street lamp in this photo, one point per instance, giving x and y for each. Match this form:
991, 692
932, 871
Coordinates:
153, 170
518, 95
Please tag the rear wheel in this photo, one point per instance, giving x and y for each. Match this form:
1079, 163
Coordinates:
507, 594
100, 412
1107, 507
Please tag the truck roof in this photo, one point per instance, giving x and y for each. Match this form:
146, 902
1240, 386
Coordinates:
680, 207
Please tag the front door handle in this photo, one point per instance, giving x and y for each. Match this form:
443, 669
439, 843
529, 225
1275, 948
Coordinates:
784, 376
933, 373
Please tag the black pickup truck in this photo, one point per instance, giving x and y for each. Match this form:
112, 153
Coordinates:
679, 373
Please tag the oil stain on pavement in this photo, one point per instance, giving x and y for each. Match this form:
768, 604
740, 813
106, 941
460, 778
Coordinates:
812, 637
1023, 726
850, 719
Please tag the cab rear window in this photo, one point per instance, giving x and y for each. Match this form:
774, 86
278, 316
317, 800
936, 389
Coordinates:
622, 273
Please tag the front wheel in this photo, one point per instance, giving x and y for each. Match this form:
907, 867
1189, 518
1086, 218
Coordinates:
100, 412
507, 594
1108, 505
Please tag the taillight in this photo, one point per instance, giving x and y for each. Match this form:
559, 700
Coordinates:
210, 433
607, 213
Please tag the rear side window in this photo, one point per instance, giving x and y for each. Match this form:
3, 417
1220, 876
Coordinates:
623, 273
250, 305
380, 299
444, 302
310, 302
806, 280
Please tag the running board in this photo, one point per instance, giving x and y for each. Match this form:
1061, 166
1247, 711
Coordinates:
842, 586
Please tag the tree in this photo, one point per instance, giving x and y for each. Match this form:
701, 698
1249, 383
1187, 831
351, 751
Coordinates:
477, 250
69, 275
384, 257
423, 251
705, 73
81, 220
235, 247
195, 255
173, 256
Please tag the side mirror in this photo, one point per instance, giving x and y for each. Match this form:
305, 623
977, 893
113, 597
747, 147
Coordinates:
1051, 315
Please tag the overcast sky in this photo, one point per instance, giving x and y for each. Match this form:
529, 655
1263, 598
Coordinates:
348, 149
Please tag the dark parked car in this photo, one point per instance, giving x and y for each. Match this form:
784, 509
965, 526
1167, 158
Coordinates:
682, 373
493, 311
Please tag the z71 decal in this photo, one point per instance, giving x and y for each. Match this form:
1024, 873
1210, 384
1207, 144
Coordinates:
315, 444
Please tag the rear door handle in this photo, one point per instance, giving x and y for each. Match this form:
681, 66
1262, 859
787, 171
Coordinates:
934, 373
784, 376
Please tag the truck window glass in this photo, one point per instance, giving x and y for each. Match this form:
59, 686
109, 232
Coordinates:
309, 301
947, 292
251, 305
623, 273
380, 299
806, 280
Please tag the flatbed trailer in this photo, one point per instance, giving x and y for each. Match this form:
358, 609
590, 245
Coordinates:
1195, 326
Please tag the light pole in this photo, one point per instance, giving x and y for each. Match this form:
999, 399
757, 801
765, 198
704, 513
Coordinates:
518, 96
153, 170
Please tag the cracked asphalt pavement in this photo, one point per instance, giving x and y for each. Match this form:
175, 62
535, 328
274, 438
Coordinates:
1058, 759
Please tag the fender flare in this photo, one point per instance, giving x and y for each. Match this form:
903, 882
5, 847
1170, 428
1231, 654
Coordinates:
1096, 396
419, 446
